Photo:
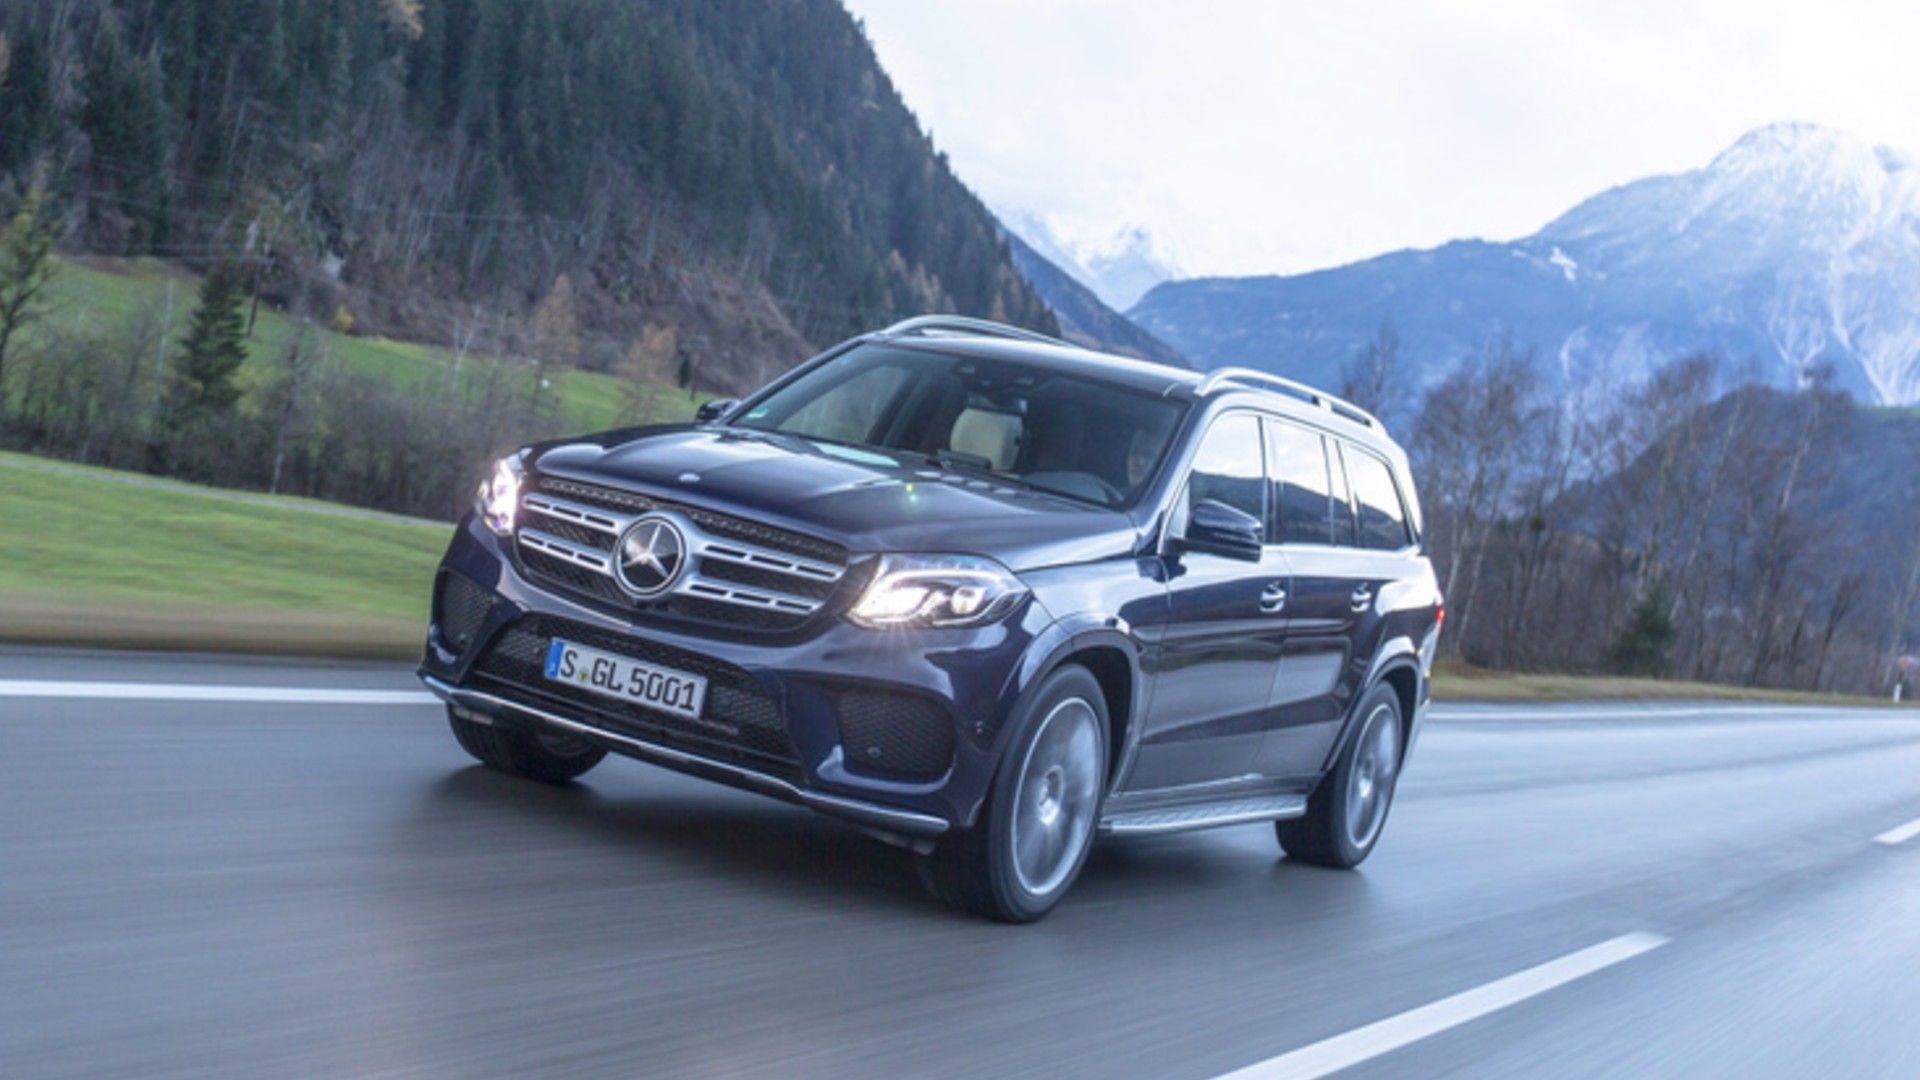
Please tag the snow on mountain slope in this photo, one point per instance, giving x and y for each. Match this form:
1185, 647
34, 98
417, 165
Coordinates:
1796, 247
1119, 269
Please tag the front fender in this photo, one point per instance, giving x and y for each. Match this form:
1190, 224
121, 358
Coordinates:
1059, 642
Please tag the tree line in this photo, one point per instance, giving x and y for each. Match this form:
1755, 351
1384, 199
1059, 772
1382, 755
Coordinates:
1690, 524
168, 389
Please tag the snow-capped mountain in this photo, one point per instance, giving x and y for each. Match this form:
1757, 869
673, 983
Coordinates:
1127, 266
1119, 269
1798, 246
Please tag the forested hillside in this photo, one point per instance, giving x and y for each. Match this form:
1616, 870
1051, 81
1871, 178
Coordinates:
694, 190
1682, 526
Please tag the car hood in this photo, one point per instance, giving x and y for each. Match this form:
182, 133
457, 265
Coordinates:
865, 500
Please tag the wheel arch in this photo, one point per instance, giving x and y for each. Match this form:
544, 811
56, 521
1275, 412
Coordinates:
1111, 656
1398, 666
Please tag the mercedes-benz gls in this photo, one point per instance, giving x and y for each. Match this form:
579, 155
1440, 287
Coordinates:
979, 592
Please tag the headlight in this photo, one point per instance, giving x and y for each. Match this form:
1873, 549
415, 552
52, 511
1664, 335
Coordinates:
937, 590
499, 495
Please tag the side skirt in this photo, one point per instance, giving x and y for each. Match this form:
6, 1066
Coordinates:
1151, 821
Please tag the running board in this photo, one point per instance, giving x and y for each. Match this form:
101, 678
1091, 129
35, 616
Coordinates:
1203, 816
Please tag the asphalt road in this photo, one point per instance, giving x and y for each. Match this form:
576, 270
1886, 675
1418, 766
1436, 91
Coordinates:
262, 886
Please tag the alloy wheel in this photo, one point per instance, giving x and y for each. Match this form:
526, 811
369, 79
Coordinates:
1056, 798
1376, 760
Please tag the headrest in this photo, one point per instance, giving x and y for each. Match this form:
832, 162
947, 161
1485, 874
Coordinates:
987, 434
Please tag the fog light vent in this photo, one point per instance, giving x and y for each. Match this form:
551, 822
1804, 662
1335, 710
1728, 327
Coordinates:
894, 734
461, 609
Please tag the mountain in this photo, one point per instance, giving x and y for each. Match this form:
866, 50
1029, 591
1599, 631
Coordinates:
737, 179
1119, 270
1128, 266
1797, 247
1084, 320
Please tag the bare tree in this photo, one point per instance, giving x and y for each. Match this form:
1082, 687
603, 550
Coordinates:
1373, 378
1464, 440
288, 400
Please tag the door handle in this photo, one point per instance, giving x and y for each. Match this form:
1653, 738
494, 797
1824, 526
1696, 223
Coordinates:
1273, 598
1362, 597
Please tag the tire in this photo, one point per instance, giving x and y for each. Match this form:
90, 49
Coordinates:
1348, 811
550, 759
1015, 866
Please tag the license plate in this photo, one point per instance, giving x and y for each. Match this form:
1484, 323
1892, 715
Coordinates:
629, 680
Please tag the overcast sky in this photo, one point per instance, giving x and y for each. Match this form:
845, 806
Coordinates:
1270, 137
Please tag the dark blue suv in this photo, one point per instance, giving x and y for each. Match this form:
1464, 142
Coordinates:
979, 592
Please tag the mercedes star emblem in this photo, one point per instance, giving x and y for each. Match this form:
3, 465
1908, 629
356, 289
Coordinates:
651, 555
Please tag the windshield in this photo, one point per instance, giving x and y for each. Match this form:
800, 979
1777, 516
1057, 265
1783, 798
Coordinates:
1072, 436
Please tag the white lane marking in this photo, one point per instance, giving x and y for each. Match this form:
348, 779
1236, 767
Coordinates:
1900, 834
278, 695
1578, 712
1364, 1044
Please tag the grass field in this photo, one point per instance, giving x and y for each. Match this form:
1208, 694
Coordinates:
1458, 682
114, 291
93, 556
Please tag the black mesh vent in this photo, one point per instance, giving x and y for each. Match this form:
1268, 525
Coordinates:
461, 608
738, 723
895, 734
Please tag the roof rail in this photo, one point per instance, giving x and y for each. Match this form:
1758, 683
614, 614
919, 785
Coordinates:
960, 324
1220, 377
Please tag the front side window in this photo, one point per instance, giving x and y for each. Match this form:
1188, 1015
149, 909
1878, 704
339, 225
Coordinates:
1302, 492
1059, 432
1381, 517
1228, 467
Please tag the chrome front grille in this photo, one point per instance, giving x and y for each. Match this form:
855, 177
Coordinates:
737, 572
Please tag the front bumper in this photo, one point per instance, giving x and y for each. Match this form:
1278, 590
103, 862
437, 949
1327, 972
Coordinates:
872, 815
800, 680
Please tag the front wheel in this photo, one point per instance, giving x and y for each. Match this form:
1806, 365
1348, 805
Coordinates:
1347, 811
551, 758
1033, 834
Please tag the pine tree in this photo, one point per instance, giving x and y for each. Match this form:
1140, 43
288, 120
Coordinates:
204, 387
1644, 647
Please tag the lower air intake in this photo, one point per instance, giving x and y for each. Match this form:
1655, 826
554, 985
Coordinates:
460, 609
894, 735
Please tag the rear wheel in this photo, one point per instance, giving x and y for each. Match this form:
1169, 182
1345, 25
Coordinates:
550, 758
1033, 834
1347, 811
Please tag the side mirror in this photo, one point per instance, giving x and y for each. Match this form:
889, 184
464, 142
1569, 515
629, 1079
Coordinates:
1219, 529
714, 410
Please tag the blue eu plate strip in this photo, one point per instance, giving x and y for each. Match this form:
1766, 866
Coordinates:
553, 658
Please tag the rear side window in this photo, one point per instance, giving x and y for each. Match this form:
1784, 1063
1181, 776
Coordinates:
1302, 493
1228, 467
1382, 518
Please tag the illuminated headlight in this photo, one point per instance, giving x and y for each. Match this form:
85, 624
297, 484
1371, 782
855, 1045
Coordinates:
499, 495
937, 590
